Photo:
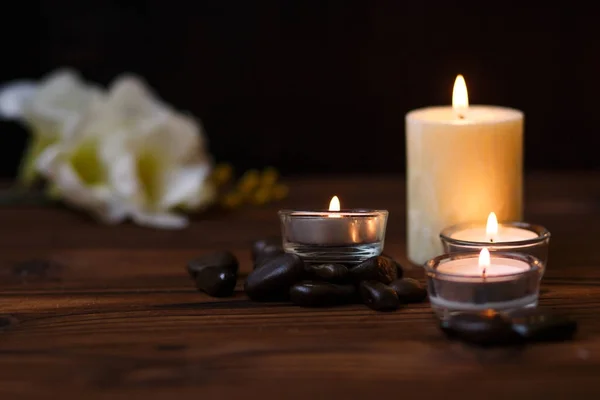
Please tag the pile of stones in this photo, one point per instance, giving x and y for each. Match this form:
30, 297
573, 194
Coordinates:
377, 282
278, 276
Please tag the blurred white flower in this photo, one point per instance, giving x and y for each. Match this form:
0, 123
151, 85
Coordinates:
132, 156
52, 110
60, 102
79, 176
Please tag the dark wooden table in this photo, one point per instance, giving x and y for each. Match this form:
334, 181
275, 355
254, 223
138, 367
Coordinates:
115, 315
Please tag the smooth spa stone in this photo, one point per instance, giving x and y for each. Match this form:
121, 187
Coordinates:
265, 248
399, 269
486, 328
409, 290
542, 325
320, 294
221, 259
335, 273
378, 296
215, 273
272, 280
379, 268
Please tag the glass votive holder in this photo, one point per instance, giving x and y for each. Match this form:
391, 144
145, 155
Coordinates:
456, 282
521, 237
347, 236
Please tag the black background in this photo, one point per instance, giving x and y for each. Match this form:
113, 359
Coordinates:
323, 86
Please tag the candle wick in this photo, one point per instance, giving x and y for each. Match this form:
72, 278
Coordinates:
460, 116
491, 240
483, 272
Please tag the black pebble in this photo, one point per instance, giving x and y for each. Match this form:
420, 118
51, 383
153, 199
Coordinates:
318, 294
409, 290
378, 296
542, 325
264, 249
486, 328
327, 272
399, 269
379, 268
224, 259
215, 273
272, 281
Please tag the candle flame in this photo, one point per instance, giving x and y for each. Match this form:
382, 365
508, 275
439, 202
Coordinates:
491, 228
334, 204
484, 260
460, 96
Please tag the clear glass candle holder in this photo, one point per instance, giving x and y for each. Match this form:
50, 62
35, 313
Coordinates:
347, 236
535, 245
514, 286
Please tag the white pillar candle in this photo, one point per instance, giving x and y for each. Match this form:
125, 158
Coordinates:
462, 162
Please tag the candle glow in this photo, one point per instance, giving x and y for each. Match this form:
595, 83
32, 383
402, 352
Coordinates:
491, 228
460, 97
334, 205
484, 260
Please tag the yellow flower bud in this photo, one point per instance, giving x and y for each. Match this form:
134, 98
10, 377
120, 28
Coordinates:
249, 182
222, 174
261, 196
280, 192
269, 176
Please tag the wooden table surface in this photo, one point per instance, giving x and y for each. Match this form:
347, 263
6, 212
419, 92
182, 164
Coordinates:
114, 314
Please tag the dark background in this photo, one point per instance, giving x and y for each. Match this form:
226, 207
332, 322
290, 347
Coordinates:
323, 86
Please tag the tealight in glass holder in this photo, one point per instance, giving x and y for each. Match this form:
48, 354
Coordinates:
346, 236
514, 237
458, 283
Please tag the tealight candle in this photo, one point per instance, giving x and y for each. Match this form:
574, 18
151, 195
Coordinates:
481, 281
493, 233
519, 237
334, 235
462, 162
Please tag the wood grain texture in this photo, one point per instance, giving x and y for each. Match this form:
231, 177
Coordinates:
112, 313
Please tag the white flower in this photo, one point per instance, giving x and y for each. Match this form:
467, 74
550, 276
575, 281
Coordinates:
60, 102
132, 156
52, 109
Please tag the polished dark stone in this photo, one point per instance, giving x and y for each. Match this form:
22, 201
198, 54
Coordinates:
379, 268
320, 294
215, 273
272, 281
328, 272
220, 259
378, 296
265, 248
399, 269
216, 281
409, 290
484, 328
542, 325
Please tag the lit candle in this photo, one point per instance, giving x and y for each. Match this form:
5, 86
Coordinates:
484, 266
462, 162
334, 235
334, 205
511, 237
483, 281
493, 233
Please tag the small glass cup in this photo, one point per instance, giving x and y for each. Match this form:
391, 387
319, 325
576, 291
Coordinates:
536, 246
453, 292
347, 236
